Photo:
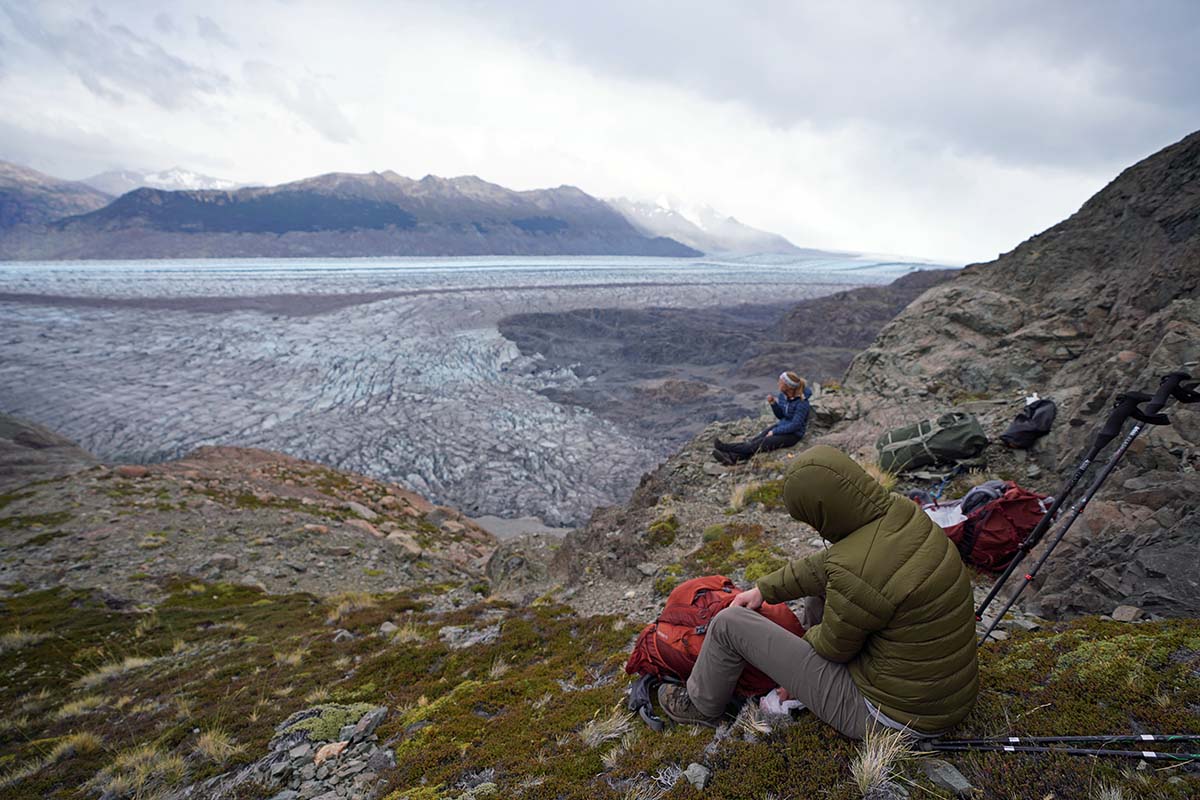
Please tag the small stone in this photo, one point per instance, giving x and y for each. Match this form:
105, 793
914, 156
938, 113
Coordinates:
697, 775
132, 471
361, 510
365, 527
1033, 471
346, 733
453, 526
647, 568
816, 541
388, 628
1127, 613
946, 776
314, 528
342, 635
221, 562
714, 470
279, 769
632, 593
300, 751
341, 552
286, 794
405, 541
331, 750
381, 760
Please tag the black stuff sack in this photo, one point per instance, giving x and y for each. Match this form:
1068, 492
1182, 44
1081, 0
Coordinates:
1031, 424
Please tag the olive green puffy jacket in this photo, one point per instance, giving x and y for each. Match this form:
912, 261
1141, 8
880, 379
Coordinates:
898, 602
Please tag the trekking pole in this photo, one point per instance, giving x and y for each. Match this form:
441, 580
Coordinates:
1039, 740
1122, 409
1170, 386
1068, 751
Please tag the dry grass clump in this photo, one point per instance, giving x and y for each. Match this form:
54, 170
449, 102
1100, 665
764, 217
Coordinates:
67, 746
108, 671
602, 729
80, 706
878, 756
882, 476
751, 720
216, 745
293, 658
317, 695
499, 669
737, 500
347, 603
612, 758
408, 632
19, 637
141, 772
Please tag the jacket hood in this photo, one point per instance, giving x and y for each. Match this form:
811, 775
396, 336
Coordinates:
830, 492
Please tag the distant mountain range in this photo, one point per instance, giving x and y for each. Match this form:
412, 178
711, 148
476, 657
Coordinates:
120, 181
701, 227
177, 213
28, 197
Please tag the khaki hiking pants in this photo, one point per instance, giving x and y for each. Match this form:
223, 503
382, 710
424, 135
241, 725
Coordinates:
738, 636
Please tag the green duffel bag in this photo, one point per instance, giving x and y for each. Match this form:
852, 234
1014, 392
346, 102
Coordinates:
951, 437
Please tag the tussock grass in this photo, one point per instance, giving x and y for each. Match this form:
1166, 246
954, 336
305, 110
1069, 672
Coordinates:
66, 747
737, 499
1110, 792
18, 638
347, 603
878, 756
292, 658
407, 632
141, 772
611, 758
109, 671
216, 745
882, 476
318, 695
499, 669
603, 729
750, 719
81, 706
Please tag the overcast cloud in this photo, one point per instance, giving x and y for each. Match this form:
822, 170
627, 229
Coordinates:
951, 130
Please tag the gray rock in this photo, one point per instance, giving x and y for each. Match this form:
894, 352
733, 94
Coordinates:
944, 775
361, 510
345, 733
697, 775
221, 562
714, 470
387, 628
369, 722
887, 791
286, 794
1127, 613
342, 635
381, 759
300, 751
647, 568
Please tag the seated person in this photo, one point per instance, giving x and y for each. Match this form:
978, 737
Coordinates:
896, 644
791, 409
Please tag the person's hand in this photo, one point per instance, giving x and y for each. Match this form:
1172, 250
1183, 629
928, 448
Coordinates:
770, 433
783, 694
771, 399
751, 599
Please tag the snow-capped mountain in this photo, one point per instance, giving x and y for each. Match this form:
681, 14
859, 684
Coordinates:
119, 181
701, 227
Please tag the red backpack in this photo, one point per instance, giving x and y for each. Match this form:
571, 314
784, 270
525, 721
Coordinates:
668, 647
991, 535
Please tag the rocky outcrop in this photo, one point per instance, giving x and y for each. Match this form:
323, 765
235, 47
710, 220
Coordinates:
1101, 303
29, 452
230, 514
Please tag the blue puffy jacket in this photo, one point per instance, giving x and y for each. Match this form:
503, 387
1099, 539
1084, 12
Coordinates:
792, 414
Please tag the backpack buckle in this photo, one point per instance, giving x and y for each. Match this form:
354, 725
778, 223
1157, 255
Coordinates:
700, 629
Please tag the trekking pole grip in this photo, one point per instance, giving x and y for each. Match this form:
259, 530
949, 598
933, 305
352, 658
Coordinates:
1167, 388
1125, 406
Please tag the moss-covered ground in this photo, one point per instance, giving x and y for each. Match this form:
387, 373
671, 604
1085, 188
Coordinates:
94, 697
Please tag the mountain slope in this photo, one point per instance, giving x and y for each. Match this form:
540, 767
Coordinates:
29, 197
1104, 302
704, 229
343, 214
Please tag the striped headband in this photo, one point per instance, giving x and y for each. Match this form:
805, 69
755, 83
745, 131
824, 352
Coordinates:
783, 376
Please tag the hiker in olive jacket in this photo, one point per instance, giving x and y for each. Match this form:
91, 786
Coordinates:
896, 644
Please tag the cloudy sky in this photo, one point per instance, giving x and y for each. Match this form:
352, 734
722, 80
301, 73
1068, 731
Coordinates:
936, 129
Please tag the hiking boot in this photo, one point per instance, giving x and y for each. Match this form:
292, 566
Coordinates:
678, 706
717, 443
724, 458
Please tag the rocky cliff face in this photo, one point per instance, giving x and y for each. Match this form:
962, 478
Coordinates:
342, 215
1104, 302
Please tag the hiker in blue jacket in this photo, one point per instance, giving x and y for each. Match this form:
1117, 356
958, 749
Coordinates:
790, 408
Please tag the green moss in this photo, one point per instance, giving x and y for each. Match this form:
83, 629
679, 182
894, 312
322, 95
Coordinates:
670, 577
662, 531
30, 520
371, 572
769, 494
326, 726
43, 538
712, 533
6, 499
